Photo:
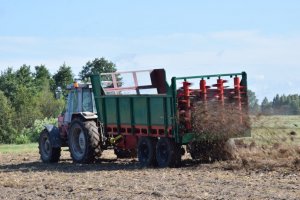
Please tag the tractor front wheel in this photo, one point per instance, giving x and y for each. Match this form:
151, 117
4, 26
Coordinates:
146, 151
48, 153
84, 141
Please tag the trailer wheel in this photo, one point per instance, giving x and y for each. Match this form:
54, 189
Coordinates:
168, 153
84, 141
146, 152
48, 153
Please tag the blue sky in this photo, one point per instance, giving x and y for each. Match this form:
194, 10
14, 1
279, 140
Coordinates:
184, 37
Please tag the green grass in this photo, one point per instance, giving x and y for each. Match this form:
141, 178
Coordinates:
276, 121
275, 129
18, 148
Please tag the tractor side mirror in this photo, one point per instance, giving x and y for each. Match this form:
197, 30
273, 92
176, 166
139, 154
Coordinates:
58, 93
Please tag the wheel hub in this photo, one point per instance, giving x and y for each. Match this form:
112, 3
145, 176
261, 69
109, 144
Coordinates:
47, 146
81, 141
163, 152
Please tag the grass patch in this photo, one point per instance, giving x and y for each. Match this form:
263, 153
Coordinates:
18, 148
276, 121
276, 129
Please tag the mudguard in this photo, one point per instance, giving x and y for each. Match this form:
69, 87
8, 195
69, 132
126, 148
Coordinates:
54, 135
89, 115
85, 115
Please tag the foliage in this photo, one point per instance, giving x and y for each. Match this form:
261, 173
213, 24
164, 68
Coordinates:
8, 83
98, 66
282, 105
24, 76
42, 77
62, 78
25, 105
22, 139
253, 103
41, 72
47, 104
19, 88
34, 131
266, 107
27, 98
7, 130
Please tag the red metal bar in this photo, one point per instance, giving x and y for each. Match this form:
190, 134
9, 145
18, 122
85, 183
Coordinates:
136, 82
203, 92
203, 88
220, 95
237, 91
220, 86
186, 92
236, 83
140, 130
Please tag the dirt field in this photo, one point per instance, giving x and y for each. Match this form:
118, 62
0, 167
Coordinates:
23, 176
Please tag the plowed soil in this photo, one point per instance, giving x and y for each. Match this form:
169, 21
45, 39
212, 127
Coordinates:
24, 176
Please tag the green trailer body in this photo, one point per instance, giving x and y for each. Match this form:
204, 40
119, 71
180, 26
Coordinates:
149, 114
143, 110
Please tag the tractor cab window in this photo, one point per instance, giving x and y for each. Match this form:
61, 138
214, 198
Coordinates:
87, 100
69, 105
74, 101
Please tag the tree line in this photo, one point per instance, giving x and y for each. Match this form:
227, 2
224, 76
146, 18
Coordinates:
27, 97
279, 105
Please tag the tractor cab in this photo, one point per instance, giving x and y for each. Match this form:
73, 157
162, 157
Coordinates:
80, 104
80, 101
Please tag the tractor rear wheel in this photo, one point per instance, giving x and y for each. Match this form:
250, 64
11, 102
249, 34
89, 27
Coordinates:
146, 151
168, 153
48, 153
84, 141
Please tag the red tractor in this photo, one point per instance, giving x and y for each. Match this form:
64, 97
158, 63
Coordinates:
76, 126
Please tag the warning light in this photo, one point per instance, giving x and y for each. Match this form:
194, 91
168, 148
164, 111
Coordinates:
76, 85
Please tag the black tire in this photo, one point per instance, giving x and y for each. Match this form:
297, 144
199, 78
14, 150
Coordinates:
146, 152
122, 154
48, 153
84, 141
168, 153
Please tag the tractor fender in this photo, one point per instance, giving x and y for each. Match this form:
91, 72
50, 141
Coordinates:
89, 115
86, 115
54, 135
